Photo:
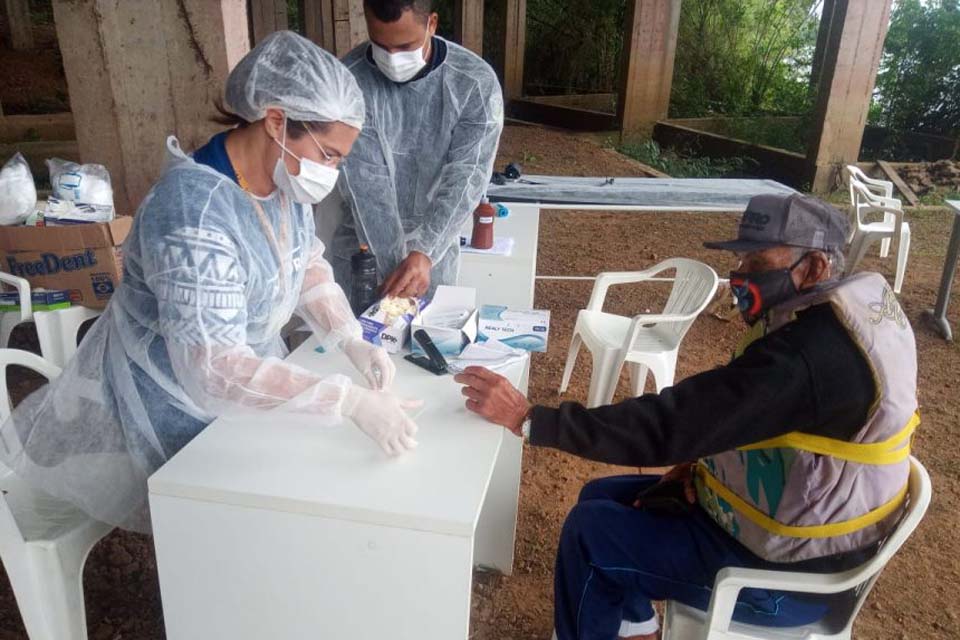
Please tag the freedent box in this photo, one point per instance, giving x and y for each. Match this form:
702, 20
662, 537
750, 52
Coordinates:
84, 259
450, 341
526, 329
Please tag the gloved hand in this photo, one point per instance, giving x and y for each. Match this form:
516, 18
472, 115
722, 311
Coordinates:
372, 361
382, 416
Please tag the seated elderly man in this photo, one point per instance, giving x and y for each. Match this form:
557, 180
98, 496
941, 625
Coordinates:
801, 442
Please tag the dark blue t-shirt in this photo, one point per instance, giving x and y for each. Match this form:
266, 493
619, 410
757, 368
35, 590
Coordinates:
214, 155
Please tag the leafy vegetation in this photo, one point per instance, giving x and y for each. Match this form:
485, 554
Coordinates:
918, 87
679, 165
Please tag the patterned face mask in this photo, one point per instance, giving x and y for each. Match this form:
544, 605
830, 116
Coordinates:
758, 292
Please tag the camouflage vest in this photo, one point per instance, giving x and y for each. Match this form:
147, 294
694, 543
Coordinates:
803, 496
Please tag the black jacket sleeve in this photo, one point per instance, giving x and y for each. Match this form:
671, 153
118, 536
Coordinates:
807, 376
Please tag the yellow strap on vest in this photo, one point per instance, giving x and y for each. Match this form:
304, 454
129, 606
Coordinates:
767, 523
889, 451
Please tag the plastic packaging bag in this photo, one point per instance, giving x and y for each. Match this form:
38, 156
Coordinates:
81, 193
18, 193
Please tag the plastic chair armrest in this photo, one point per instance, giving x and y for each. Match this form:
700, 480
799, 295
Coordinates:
23, 289
731, 580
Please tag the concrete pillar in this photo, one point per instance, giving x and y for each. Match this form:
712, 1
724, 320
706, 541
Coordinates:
852, 45
515, 42
468, 24
267, 16
16, 15
336, 25
139, 71
649, 48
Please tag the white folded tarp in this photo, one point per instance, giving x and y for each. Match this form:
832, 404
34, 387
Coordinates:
655, 194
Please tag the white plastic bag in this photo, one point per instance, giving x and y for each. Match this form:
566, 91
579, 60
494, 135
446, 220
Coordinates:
81, 193
18, 193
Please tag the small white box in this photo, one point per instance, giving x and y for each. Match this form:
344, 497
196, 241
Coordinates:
526, 329
381, 329
450, 337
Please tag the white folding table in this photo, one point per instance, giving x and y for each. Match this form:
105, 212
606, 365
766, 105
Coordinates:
274, 526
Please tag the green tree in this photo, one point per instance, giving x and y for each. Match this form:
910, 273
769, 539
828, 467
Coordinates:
918, 87
744, 57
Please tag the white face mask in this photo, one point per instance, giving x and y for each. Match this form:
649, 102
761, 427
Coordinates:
400, 66
315, 180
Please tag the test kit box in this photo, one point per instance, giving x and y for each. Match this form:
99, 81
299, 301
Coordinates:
450, 320
39, 300
387, 322
84, 259
526, 329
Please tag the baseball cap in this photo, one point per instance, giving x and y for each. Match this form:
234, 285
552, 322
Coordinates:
796, 220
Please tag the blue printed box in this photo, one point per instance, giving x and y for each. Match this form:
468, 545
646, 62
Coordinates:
526, 329
40, 300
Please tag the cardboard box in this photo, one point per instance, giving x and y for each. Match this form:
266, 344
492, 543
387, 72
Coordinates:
386, 330
449, 340
40, 301
84, 259
526, 329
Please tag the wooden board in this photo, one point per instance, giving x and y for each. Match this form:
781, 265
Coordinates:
898, 182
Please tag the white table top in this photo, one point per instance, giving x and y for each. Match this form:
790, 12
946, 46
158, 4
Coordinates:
954, 204
283, 462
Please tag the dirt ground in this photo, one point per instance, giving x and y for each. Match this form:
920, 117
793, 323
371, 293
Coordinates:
916, 596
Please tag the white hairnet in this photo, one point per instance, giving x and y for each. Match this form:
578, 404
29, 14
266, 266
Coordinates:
289, 72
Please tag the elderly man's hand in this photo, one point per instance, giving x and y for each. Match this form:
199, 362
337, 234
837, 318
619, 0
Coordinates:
493, 397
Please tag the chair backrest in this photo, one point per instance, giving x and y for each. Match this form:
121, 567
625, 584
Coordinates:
23, 289
24, 359
861, 579
9, 530
694, 285
882, 188
865, 201
919, 494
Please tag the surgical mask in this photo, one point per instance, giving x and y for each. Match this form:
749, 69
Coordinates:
314, 182
760, 291
400, 66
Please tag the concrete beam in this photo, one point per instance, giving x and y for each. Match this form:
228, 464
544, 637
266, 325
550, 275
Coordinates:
139, 71
514, 47
19, 31
267, 16
468, 24
848, 63
649, 49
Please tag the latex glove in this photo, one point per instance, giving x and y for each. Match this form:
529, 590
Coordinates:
372, 361
383, 416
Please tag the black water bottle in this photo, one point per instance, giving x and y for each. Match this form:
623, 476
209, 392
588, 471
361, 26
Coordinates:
363, 280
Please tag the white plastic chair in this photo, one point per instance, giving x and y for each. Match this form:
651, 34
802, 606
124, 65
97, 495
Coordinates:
44, 542
881, 188
645, 342
682, 622
57, 331
10, 319
866, 233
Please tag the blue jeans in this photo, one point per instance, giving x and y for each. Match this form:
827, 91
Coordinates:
614, 559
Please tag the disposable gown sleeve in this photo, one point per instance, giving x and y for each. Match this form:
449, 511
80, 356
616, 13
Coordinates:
324, 305
465, 174
368, 188
200, 288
